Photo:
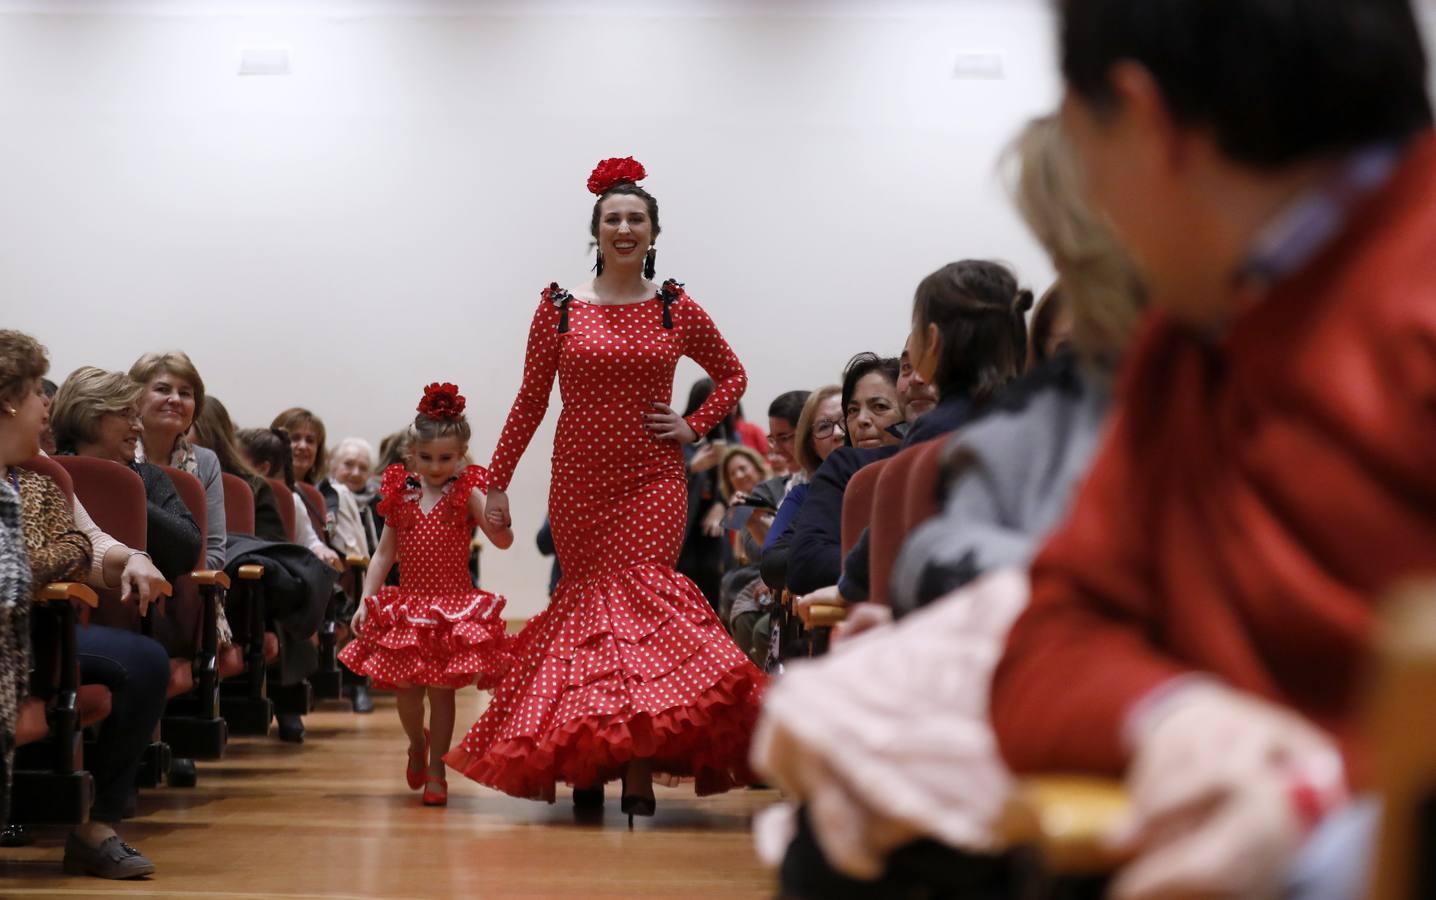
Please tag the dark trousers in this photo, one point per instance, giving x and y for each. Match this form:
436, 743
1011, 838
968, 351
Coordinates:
136, 669
922, 870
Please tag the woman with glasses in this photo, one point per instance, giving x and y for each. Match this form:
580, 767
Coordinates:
821, 430
96, 413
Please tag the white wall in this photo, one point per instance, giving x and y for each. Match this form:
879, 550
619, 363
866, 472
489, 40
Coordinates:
385, 215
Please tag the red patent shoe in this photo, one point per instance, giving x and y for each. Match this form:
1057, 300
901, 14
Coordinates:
418, 765
436, 796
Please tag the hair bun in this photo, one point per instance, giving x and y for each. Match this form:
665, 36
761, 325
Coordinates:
1022, 302
613, 171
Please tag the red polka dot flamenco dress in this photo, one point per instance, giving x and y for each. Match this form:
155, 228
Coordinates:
435, 629
628, 661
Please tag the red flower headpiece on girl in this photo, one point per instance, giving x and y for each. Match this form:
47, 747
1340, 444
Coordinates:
442, 401
611, 171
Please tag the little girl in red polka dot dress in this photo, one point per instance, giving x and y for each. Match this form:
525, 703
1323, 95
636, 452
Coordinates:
435, 632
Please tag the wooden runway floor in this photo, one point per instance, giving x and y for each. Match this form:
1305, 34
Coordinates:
333, 818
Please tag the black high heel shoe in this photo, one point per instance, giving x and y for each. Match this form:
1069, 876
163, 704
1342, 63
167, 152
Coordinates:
636, 805
589, 797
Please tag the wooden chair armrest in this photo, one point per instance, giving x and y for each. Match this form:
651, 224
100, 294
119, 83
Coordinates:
251, 572
355, 561
65, 591
210, 578
1069, 819
823, 615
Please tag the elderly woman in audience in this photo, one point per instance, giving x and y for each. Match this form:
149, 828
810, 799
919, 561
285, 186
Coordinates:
134, 668
351, 467
819, 431
214, 429
173, 393
96, 414
350, 536
1015, 472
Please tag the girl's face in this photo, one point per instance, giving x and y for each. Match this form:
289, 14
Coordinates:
116, 435
742, 474
872, 410
438, 460
22, 430
305, 443
624, 230
353, 470
829, 427
167, 408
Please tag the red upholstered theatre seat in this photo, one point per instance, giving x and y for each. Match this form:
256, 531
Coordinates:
318, 511
283, 500
923, 501
33, 725
858, 503
114, 496
886, 530
238, 505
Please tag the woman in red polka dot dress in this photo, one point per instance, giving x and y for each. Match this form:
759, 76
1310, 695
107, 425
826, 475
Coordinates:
628, 671
435, 632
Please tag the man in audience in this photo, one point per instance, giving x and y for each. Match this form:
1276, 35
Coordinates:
1200, 622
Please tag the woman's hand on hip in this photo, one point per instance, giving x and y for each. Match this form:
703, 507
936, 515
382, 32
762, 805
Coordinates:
667, 425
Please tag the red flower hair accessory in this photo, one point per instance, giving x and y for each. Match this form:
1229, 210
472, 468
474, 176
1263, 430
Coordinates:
611, 171
442, 401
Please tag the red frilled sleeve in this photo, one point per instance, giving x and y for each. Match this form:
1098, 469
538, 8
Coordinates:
704, 344
393, 494
540, 367
472, 477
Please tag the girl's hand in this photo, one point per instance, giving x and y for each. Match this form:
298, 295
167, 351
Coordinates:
713, 522
356, 624
667, 425
496, 509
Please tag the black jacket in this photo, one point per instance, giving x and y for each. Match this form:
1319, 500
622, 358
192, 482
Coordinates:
815, 559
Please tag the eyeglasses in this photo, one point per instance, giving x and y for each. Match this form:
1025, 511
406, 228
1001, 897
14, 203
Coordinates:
129, 415
824, 428
781, 438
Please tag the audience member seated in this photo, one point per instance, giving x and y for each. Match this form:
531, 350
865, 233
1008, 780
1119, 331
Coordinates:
96, 413
872, 410
214, 430
306, 443
1201, 623
351, 465
741, 473
134, 668
1015, 471
968, 341
818, 432
701, 556
173, 396
268, 452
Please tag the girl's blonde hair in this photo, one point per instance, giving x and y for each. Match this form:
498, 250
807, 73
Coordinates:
428, 429
1097, 277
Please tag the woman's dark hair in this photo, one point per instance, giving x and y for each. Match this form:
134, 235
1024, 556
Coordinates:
702, 389
1049, 310
625, 187
981, 316
861, 366
788, 407
214, 429
270, 446
1275, 81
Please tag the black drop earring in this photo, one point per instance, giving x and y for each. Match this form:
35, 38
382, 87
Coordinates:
648, 262
598, 264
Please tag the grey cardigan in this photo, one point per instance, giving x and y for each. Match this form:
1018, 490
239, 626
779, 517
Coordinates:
1021, 465
214, 535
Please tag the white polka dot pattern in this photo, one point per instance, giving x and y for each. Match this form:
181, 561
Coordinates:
434, 629
629, 660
